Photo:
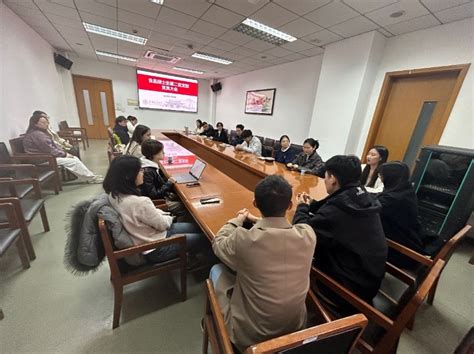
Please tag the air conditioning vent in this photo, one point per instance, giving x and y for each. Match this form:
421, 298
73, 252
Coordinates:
161, 57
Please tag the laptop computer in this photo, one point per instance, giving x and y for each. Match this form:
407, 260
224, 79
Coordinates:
193, 175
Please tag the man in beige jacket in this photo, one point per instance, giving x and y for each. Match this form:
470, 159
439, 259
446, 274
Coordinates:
262, 285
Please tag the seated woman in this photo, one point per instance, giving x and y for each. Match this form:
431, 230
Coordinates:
400, 212
308, 160
140, 217
155, 185
199, 128
37, 140
370, 178
220, 134
140, 134
131, 124
286, 153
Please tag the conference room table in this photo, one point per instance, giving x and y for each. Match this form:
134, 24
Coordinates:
230, 175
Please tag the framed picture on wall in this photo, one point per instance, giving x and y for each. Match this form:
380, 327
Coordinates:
260, 101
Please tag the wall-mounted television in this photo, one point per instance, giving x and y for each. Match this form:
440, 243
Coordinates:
166, 92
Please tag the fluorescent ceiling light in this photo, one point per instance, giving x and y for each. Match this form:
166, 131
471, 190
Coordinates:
159, 2
263, 32
189, 70
211, 58
112, 55
114, 34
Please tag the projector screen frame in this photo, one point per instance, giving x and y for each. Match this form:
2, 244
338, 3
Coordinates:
162, 109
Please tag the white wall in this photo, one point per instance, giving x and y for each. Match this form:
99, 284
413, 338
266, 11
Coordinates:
124, 85
29, 78
438, 46
295, 84
346, 78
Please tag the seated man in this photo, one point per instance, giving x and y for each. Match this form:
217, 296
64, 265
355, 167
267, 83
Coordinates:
272, 260
121, 129
351, 242
251, 143
208, 130
237, 138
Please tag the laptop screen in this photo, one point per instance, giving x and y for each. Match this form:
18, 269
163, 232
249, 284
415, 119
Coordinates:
197, 168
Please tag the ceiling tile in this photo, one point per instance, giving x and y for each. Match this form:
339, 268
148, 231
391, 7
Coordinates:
176, 18
235, 55
133, 29
279, 52
245, 52
456, 13
126, 62
331, 14
385, 32
162, 38
312, 52
169, 29
300, 27
99, 20
295, 56
250, 61
278, 61
107, 59
259, 45
112, 3
411, 8
103, 43
353, 27
194, 8
135, 19
24, 3
76, 37
364, 6
25, 10
60, 20
222, 17
208, 28
223, 45
322, 38
36, 21
60, 10
96, 8
71, 32
302, 7
297, 46
438, 5
274, 15
197, 37
414, 24
68, 3
141, 7
181, 50
212, 50
235, 37
243, 7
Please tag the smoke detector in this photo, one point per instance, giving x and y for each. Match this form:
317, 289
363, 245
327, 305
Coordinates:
150, 54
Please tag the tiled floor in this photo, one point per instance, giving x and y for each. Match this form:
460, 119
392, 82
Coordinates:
48, 309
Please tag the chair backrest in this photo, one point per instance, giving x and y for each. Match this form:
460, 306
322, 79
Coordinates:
109, 250
63, 125
233, 133
269, 142
267, 151
5, 157
16, 144
447, 250
339, 336
260, 137
298, 148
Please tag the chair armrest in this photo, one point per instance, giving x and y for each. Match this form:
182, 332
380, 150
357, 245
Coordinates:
158, 202
313, 303
74, 129
409, 253
176, 239
34, 182
15, 202
163, 207
31, 169
11, 214
400, 274
368, 310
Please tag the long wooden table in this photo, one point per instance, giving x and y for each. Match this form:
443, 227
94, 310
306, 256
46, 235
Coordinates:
231, 176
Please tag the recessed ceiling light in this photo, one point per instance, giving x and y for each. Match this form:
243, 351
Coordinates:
114, 34
189, 70
113, 55
397, 14
263, 32
159, 2
213, 58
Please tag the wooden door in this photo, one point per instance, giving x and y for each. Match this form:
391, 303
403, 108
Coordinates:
413, 109
95, 104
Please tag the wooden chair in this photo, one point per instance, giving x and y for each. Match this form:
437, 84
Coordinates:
80, 133
385, 332
338, 336
26, 209
12, 234
44, 162
122, 274
8, 168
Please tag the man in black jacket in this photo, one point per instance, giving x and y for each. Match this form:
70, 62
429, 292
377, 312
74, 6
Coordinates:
208, 130
121, 129
351, 245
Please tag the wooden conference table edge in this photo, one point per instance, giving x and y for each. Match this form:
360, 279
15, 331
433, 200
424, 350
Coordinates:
217, 183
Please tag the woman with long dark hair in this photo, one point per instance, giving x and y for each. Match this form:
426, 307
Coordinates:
370, 177
140, 217
308, 160
399, 214
140, 134
199, 127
